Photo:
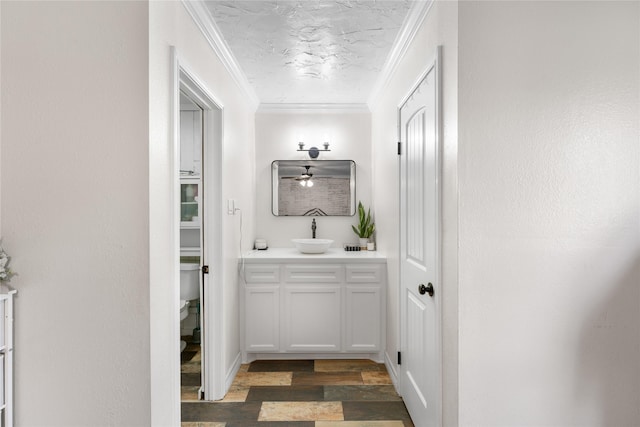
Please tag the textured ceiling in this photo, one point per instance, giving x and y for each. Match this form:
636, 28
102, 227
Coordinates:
313, 51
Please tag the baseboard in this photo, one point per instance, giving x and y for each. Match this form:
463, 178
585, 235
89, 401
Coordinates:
231, 374
250, 357
393, 372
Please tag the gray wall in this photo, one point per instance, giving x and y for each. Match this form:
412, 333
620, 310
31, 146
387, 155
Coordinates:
75, 213
549, 213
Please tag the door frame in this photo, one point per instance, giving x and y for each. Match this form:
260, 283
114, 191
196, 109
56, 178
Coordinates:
212, 311
435, 64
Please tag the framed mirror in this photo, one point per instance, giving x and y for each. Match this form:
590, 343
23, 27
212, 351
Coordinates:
313, 187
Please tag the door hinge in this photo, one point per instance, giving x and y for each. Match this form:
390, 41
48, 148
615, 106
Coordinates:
399, 358
399, 148
205, 269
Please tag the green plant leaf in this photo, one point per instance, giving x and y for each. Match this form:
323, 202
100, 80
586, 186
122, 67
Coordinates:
366, 226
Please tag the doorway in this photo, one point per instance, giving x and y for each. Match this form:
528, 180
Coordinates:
191, 247
199, 183
420, 248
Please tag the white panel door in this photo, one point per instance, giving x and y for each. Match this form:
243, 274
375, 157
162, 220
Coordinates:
419, 252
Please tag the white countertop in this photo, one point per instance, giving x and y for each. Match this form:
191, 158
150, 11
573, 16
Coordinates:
332, 254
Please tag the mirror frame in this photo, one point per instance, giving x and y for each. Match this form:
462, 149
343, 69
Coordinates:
275, 183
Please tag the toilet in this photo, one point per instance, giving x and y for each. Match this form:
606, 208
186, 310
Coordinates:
189, 290
184, 309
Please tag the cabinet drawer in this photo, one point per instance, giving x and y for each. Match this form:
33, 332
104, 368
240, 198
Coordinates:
327, 273
364, 273
261, 273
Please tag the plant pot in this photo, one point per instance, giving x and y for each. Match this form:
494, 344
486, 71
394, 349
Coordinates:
363, 243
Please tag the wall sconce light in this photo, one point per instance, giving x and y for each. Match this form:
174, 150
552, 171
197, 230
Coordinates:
314, 152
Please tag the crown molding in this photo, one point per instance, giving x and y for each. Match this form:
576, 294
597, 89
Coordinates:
418, 12
313, 108
203, 20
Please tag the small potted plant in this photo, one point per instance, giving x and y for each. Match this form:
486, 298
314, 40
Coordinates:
365, 227
5, 272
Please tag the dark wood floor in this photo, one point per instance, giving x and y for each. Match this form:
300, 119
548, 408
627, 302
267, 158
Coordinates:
301, 393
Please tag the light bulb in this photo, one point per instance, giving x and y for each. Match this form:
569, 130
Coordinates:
309, 183
325, 140
303, 183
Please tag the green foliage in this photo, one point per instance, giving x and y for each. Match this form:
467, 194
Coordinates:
366, 226
5, 272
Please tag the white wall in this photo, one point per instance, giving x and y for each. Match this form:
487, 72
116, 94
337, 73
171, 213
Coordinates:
0, 124
549, 213
277, 138
170, 25
75, 209
439, 28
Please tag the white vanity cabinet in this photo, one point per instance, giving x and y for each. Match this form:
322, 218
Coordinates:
312, 306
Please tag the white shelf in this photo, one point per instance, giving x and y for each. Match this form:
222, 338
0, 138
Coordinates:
6, 358
190, 225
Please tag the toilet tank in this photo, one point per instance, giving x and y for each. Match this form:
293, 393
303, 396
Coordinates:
189, 281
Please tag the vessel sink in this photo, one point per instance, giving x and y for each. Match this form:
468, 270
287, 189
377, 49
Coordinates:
312, 246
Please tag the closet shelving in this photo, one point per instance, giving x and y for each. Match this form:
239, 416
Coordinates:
190, 202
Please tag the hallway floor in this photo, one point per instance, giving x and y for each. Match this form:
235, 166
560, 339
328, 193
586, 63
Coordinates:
299, 393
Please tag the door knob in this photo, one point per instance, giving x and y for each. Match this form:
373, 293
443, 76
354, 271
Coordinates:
426, 289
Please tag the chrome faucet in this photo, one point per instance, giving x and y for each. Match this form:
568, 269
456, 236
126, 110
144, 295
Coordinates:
313, 228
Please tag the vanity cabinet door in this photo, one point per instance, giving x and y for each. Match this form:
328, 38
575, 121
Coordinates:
262, 314
312, 318
363, 307
261, 308
363, 322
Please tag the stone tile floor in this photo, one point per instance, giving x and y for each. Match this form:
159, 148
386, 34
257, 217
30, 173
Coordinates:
298, 393
190, 368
